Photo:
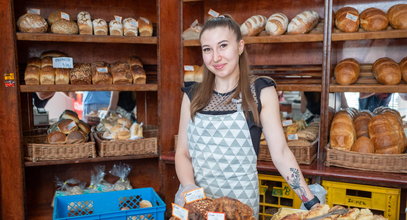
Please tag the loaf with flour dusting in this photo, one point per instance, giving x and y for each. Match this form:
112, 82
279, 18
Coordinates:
253, 25
303, 22
277, 24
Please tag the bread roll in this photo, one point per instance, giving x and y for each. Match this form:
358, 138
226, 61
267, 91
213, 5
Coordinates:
373, 19
303, 22
121, 73
62, 76
347, 19
64, 27
115, 28
145, 204
363, 145
35, 61
46, 62
145, 27
84, 127
56, 137
99, 27
130, 27
47, 75
75, 137
53, 53
403, 68
277, 24
32, 75
56, 16
397, 15
134, 61
347, 71
139, 75
69, 114
123, 134
253, 25
320, 209
386, 71
101, 74
384, 137
67, 126
81, 74
32, 23
361, 123
342, 134
85, 23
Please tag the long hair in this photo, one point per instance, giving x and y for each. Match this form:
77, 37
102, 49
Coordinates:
203, 91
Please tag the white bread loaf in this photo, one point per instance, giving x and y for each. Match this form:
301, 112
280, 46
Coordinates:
303, 23
277, 24
47, 75
99, 27
32, 75
115, 28
32, 23
253, 25
130, 26
145, 27
85, 23
62, 76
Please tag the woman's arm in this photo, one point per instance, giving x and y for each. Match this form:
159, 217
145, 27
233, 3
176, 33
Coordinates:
281, 155
114, 99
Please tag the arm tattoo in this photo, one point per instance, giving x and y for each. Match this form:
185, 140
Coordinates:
294, 181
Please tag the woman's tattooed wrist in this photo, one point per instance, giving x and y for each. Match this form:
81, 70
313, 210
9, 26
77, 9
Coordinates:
294, 181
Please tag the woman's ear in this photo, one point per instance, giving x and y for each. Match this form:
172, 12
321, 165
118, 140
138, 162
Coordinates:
241, 47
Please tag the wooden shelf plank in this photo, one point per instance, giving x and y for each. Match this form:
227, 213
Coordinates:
369, 35
377, 88
72, 88
299, 87
84, 38
89, 160
192, 0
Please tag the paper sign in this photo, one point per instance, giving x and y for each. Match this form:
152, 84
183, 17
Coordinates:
102, 69
62, 62
64, 16
134, 23
351, 17
118, 18
189, 68
216, 216
194, 195
34, 11
179, 212
292, 137
213, 13
287, 122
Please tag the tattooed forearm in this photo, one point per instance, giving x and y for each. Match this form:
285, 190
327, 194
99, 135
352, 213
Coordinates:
294, 181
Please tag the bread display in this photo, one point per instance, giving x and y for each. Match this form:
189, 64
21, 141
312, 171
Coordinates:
81, 74
115, 28
32, 23
32, 75
56, 16
62, 76
145, 27
386, 71
101, 74
47, 75
68, 130
363, 145
347, 19
253, 25
130, 27
397, 15
347, 71
342, 134
84, 23
373, 19
384, 137
403, 68
99, 27
303, 22
277, 24
361, 123
121, 73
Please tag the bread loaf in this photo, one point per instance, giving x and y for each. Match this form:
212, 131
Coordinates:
384, 137
62, 76
277, 24
101, 74
130, 27
64, 27
56, 16
403, 68
47, 75
386, 71
32, 23
347, 19
99, 27
395, 119
253, 25
192, 33
84, 127
32, 75
67, 126
35, 61
189, 73
134, 61
373, 19
56, 137
139, 75
121, 73
342, 134
53, 53
115, 28
397, 15
81, 74
75, 137
347, 71
69, 114
85, 23
361, 123
46, 61
145, 27
363, 145
303, 22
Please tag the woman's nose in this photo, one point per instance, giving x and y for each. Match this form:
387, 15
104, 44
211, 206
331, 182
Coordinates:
216, 56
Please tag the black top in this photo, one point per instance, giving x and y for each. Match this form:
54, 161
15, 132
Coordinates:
126, 101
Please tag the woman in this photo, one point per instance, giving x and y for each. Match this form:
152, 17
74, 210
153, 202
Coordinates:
221, 122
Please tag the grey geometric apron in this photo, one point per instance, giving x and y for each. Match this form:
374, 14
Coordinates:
223, 157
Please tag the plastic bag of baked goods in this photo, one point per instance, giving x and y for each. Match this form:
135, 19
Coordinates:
97, 182
192, 33
68, 187
122, 171
318, 191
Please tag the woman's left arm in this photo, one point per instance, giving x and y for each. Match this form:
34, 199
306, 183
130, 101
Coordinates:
281, 155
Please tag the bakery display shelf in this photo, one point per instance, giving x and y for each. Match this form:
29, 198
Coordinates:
73, 88
90, 160
192, 0
377, 88
85, 38
369, 35
299, 87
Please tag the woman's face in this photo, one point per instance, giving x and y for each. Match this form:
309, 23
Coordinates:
220, 51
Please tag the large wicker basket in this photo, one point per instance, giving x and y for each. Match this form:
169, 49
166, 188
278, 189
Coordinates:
305, 154
394, 163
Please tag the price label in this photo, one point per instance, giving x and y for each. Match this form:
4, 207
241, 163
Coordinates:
118, 18
133, 23
213, 13
102, 69
287, 122
216, 216
352, 17
292, 137
179, 212
62, 62
34, 11
65, 16
195, 23
189, 68
145, 20
194, 195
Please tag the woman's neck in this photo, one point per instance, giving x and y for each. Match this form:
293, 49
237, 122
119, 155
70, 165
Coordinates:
225, 85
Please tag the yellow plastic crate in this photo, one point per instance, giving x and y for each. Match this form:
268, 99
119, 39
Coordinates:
380, 200
275, 193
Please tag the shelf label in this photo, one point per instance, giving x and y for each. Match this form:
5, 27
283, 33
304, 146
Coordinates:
287, 122
179, 212
34, 11
213, 13
352, 17
216, 216
194, 195
292, 137
189, 68
62, 62
102, 69
118, 18
9, 80
145, 20
65, 16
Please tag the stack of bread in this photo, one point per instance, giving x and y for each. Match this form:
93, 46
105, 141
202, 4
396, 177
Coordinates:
193, 73
68, 130
116, 127
299, 133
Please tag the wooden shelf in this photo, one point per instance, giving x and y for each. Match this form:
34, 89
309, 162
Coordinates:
299, 87
377, 88
85, 38
72, 88
369, 35
89, 160
192, 0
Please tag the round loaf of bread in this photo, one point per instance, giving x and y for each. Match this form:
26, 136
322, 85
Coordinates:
66, 126
75, 137
363, 145
397, 15
64, 27
56, 137
277, 24
32, 23
347, 71
403, 68
56, 16
373, 19
347, 19
387, 71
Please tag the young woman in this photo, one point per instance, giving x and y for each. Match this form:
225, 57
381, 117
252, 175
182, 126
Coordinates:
221, 122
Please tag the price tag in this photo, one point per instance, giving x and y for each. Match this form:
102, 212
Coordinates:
189, 68
145, 20
118, 18
287, 122
102, 69
195, 23
133, 23
62, 62
65, 16
34, 11
351, 17
179, 212
216, 216
194, 195
292, 137
213, 13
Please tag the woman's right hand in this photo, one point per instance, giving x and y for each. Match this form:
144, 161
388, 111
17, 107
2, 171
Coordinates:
180, 195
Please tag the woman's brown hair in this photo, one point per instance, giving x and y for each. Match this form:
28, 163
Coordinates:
203, 91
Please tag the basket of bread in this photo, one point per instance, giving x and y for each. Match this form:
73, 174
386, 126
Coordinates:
68, 138
116, 135
368, 141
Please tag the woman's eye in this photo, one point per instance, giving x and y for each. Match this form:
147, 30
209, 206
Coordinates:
206, 50
223, 45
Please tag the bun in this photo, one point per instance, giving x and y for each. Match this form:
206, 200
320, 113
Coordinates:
130, 26
47, 75
32, 75
342, 134
347, 71
361, 123
121, 73
85, 23
387, 71
145, 204
67, 126
75, 137
115, 28
145, 27
397, 15
373, 19
139, 75
69, 114
303, 22
84, 127
81, 74
384, 137
277, 24
347, 19
52, 53
99, 27
320, 209
403, 68
101, 74
64, 27
253, 25
32, 23
363, 145
56, 137
56, 16
62, 76
35, 61
123, 134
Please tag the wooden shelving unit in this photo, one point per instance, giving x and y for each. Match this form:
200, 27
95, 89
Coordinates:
362, 35
72, 88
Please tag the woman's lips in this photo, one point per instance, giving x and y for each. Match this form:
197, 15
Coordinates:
219, 66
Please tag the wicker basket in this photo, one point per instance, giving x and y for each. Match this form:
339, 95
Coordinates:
303, 154
394, 163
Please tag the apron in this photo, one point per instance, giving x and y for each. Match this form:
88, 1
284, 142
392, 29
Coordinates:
223, 157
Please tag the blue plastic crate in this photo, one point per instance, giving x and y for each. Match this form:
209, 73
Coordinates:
117, 205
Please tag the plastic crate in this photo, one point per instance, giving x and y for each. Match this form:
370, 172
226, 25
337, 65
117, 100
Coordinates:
117, 205
380, 200
274, 194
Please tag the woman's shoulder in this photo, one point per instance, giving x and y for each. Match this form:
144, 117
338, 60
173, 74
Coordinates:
189, 88
260, 82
